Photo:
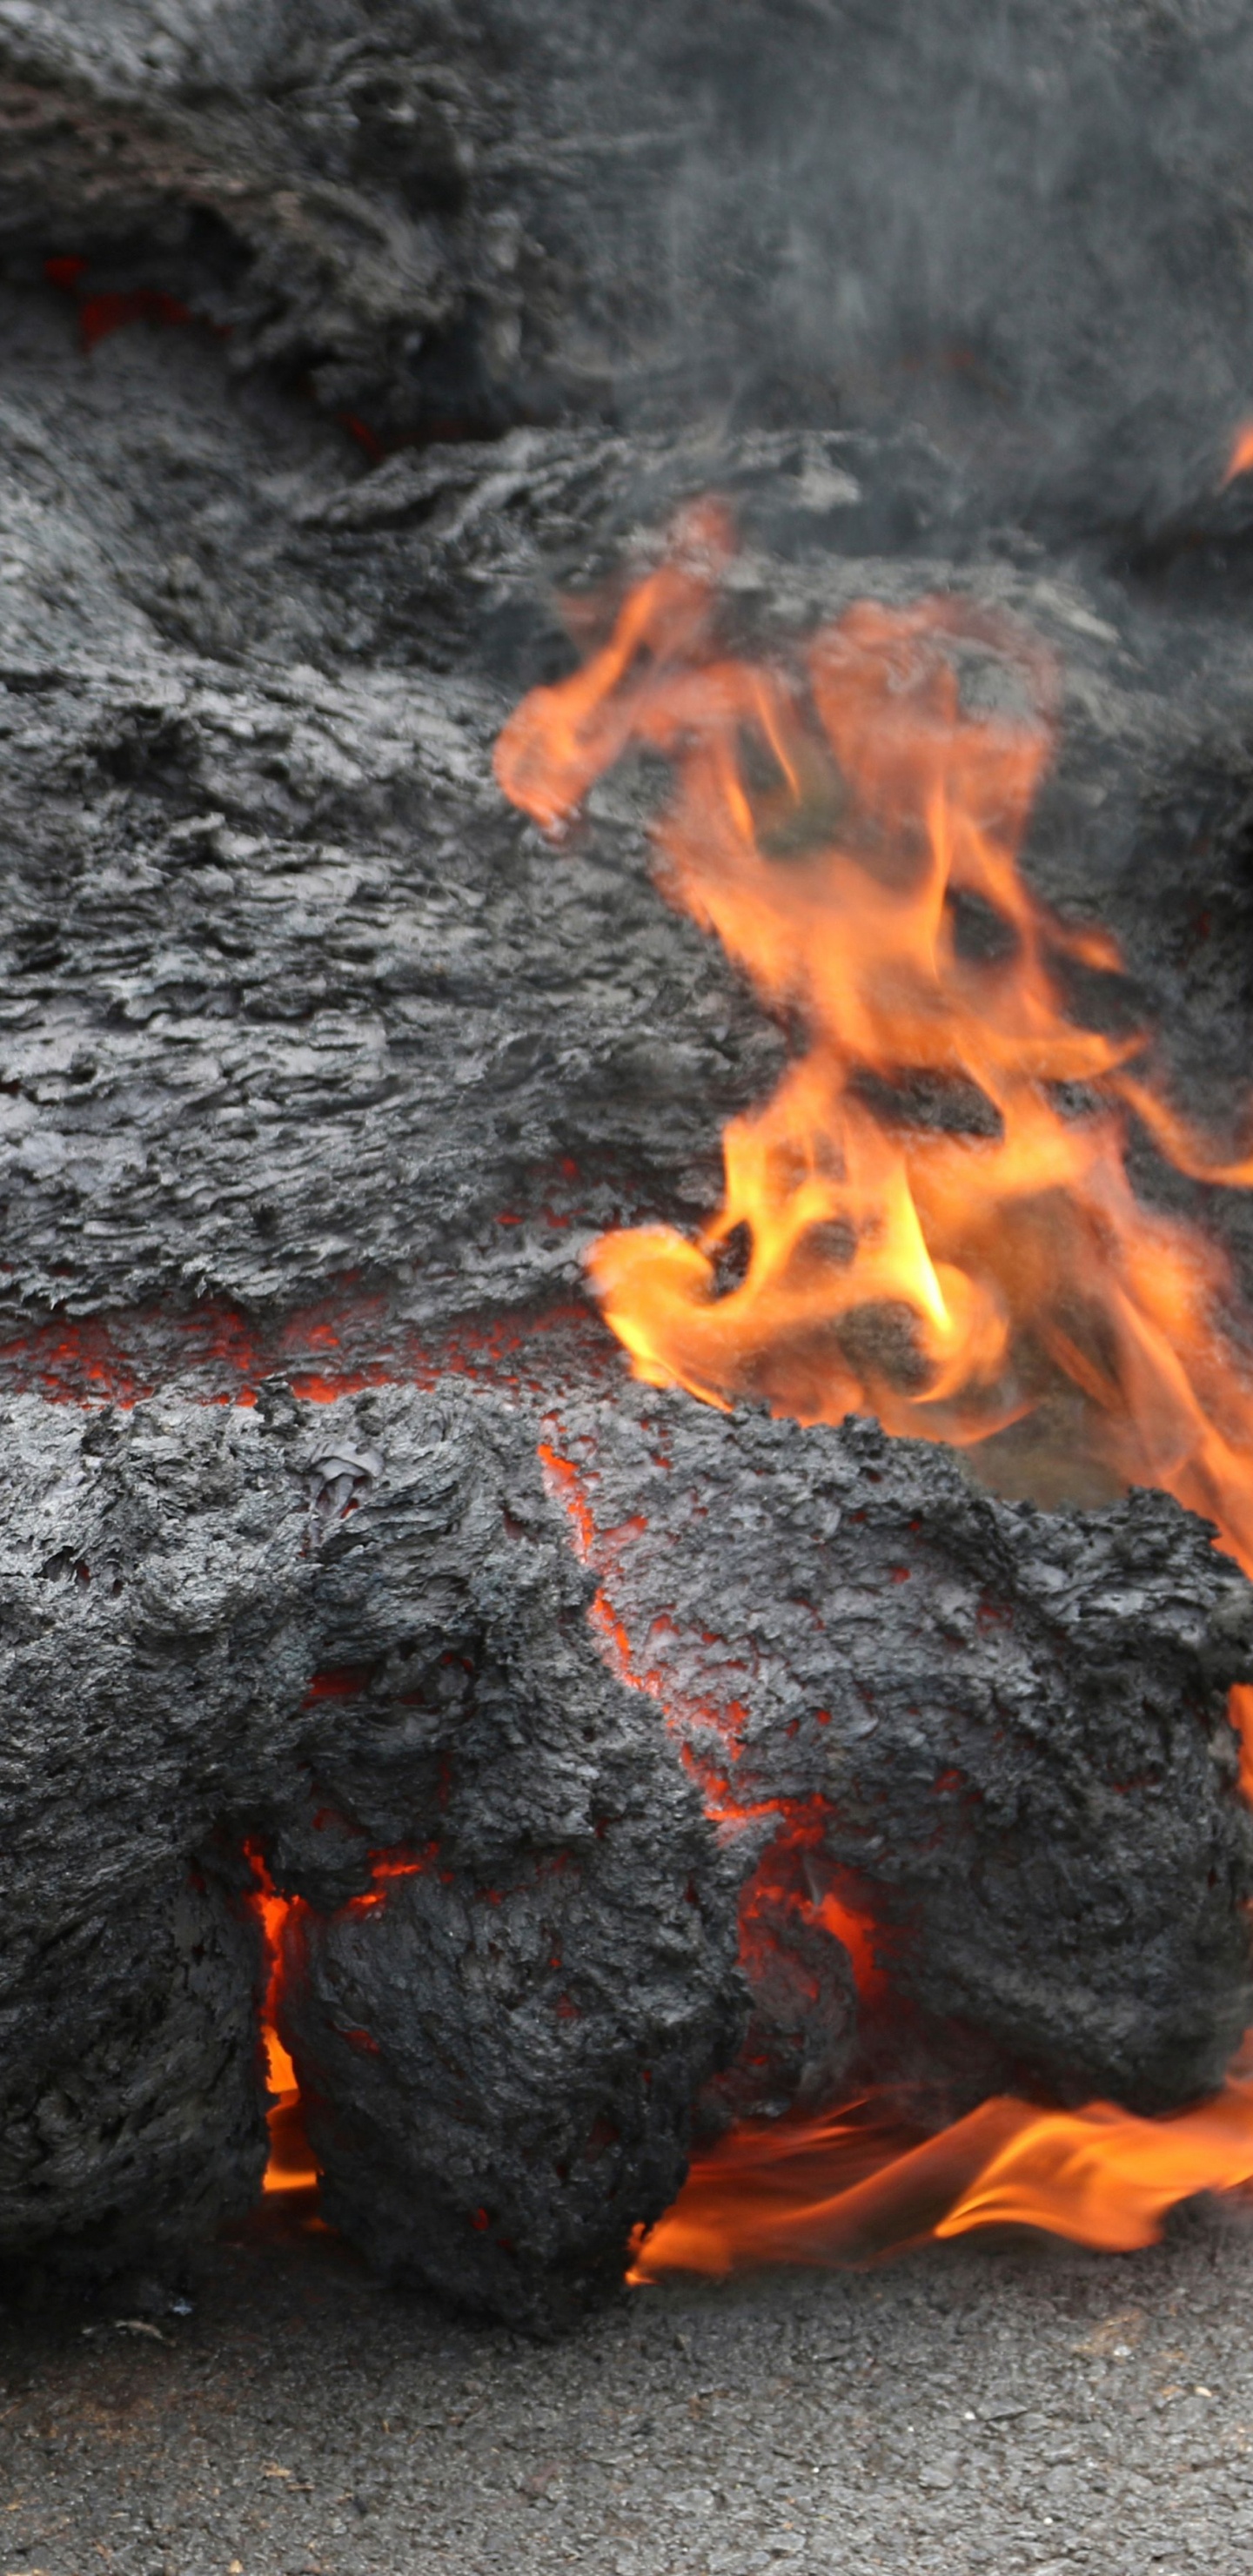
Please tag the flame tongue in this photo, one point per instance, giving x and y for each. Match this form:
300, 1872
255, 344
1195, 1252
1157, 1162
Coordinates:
290, 2166
931, 1221
935, 1210
835, 2189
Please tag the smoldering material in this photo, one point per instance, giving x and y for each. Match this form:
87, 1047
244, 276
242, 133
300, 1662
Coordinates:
197, 1656
506, 212
511, 1988
288, 994
317, 1056
995, 1729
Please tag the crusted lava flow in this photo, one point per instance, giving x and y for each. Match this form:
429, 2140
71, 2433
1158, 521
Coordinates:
932, 1222
801, 1917
289, 2163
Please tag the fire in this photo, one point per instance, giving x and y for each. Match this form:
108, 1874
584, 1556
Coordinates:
1241, 457
290, 2166
934, 1218
841, 2188
931, 1221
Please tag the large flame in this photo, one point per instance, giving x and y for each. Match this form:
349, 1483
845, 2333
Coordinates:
933, 1214
931, 1221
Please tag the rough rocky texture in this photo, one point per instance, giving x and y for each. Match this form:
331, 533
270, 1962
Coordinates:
354, 1638
311, 1052
256, 1624
991, 1730
304, 998
813, 209
289, 994
324, 186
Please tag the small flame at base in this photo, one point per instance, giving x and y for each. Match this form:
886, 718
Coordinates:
1241, 457
800, 2192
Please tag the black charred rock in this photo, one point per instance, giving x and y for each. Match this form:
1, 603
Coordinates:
997, 1734
199, 1654
290, 997
459, 218
355, 356
353, 1640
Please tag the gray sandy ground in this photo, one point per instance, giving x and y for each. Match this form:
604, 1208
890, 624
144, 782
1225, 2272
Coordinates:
997, 2409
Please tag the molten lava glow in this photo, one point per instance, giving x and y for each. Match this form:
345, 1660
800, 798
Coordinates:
1241, 457
289, 2166
931, 1221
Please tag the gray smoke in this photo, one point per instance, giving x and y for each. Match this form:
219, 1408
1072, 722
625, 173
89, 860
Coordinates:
1027, 225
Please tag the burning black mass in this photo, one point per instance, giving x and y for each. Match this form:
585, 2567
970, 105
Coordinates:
625, 1232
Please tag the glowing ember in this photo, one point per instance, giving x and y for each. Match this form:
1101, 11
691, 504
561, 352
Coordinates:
931, 1221
290, 2166
1241, 457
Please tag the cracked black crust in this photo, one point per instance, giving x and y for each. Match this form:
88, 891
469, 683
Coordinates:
339, 1631
172, 1590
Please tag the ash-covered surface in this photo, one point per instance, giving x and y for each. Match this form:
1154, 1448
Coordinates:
1021, 2409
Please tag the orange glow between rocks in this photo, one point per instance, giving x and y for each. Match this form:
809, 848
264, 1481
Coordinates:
289, 2166
931, 1221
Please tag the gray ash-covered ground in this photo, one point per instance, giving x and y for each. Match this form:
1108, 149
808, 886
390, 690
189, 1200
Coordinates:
1013, 2410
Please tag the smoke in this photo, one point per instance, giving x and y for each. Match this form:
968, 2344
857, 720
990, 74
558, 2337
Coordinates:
147, 45
1029, 225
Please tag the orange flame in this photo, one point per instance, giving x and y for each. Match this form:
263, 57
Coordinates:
1241, 457
290, 2166
934, 1219
850, 830
840, 2189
